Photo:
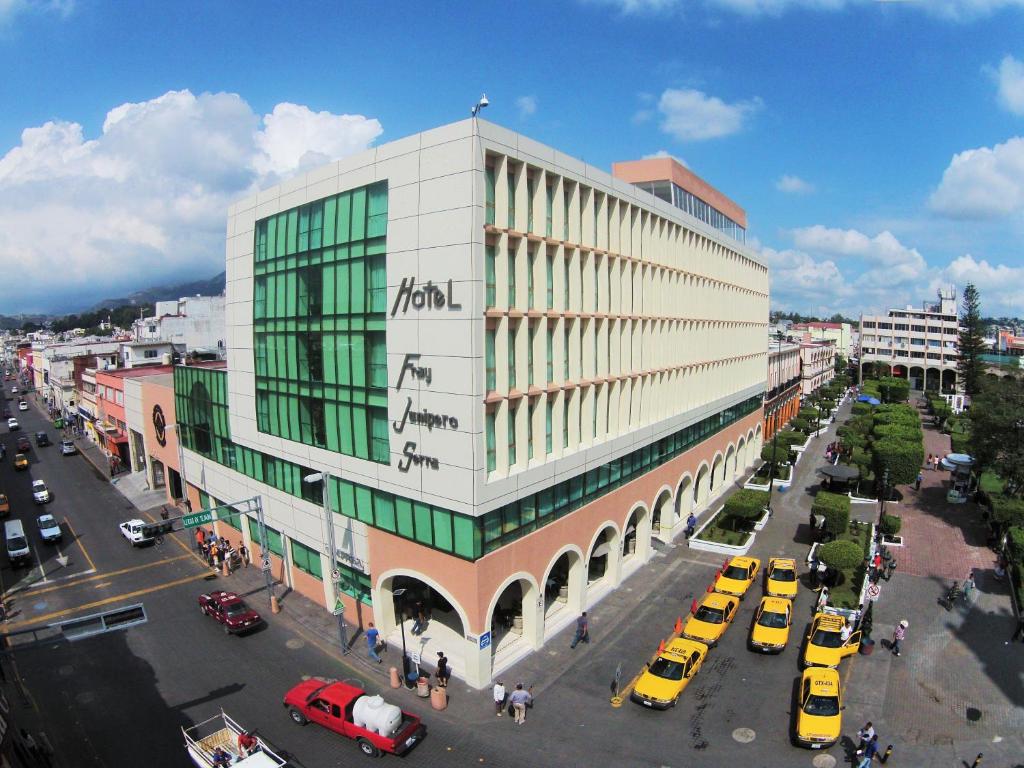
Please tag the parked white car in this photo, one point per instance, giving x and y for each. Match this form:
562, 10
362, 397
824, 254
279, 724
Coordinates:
40, 493
49, 528
67, 448
135, 532
22, 406
12, 424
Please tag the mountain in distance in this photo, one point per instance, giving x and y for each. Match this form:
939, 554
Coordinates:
214, 286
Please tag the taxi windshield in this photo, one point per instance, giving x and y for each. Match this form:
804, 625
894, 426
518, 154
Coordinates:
821, 706
709, 615
667, 669
737, 573
235, 609
772, 620
783, 574
826, 639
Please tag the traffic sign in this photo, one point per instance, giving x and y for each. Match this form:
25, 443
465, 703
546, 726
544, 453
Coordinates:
335, 575
339, 607
873, 591
485, 640
197, 518
265, 563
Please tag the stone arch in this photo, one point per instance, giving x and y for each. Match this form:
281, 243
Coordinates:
741, 454
638, 530
384, 603
916, 376
717, 474
502, 612
563, 582
932, 379
751, 455
604, 556
663, 515
684, 496
729, 470
702, 485
948, 381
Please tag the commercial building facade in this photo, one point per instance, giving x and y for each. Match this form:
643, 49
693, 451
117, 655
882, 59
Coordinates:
840, 333
784, 386
817, 365
920, 345
515, 369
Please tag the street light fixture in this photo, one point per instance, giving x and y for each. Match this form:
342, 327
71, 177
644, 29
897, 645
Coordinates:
339, 609
479, 105
401, 623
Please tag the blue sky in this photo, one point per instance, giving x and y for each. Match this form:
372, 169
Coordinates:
878, 147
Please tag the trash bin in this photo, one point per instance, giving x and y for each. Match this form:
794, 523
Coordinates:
867, 646
423, 687
439, 698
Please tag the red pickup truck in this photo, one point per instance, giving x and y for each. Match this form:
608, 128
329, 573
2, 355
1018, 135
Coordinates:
377, 727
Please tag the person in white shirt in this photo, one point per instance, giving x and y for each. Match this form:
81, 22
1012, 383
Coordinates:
499, 698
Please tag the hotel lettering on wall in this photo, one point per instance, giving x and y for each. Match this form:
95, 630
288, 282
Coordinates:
426, 296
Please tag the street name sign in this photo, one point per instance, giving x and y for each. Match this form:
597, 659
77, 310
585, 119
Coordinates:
197, 518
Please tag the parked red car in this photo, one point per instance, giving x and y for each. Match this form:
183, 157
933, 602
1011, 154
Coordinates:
230, 610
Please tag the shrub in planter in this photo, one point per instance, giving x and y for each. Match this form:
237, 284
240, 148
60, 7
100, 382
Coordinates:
861, 459
807, 413
867, 621
894, 390
960, 442
776, 455
745, 506
1007, 512
891, 524
900, 431
790, 438
840, 555
800, 425
860, 408
902, 458
835, 508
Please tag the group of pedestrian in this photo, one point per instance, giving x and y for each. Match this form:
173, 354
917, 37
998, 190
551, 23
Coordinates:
216, 550
832, 452
932, 462
867, 749
518, 702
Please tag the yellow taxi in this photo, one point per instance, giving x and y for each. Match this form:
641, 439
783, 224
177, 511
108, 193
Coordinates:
21, 461
770, 632
661, 683
737, 576
714, 614
5, 505
819, 718
781, 577
826, 646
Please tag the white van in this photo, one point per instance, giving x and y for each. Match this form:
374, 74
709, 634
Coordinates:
17, 544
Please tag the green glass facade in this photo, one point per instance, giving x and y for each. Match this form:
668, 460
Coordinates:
201, 402
319, 324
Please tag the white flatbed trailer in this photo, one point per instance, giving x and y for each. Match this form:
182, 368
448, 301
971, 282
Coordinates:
221, 731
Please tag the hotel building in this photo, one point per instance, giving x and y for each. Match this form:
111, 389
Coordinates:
516, 371
920, 345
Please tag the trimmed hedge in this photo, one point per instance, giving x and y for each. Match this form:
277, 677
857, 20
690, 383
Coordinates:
775, 455
808, 414
903, 459
790, 438
800, 425
840, 555
1015, 543
835, 508
891, 524
894, 390
1007, 512
859, 409
899, 431
746, 504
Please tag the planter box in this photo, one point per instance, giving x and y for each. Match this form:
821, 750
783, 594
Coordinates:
730, 550
892, 541
760, 524
860, 500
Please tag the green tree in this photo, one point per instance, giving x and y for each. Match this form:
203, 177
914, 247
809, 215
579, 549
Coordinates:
840, 555
997, 431
835, 508
744, 507
972, 341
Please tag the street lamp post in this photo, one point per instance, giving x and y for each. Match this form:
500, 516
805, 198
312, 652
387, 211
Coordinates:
401, 623
339, 610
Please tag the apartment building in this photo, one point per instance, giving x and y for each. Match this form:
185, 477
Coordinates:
784, 385
817, 365
513, 369
920, 345
840, 333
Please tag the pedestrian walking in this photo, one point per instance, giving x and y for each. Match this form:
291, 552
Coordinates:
582, 631
499, 698
822, 601
876, 567
519, 700
200, 538
691, 524
969, 586
870, 750
864, 735
822, 573
917, 483
443, 672
814, 570
243, 552
898, 636
419, 618
928, 463
372, 639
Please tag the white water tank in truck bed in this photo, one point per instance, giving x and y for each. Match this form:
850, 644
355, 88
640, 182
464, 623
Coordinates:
371, 713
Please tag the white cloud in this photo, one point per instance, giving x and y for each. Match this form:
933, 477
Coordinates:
950, 10
1010, 78
665, 153
527, 105
11, 8
794, 185
642, 116
146, 199
983, 183
1001, 287
692, 115
888, 261
639, 6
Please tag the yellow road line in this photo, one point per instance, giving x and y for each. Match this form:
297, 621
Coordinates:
43, 590
78, 541
108, 600
175, 539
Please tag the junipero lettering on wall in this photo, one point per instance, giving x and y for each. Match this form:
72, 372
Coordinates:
424, 418
429, 296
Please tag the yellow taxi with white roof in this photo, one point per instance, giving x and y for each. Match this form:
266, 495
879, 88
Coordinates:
819, 719
712, 617
770, 631
661, 683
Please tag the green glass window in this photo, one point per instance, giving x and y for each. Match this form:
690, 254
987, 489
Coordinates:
550, 350
492, 455
531, 411
565, 284
492, 374
512, 409
380, 446
548, 418
565, 350
531, 265
566, 197
511, 200
511, 278
513, 378
274, 541
565, 420
549, 207
354, 583
489, 196
529, 203
491, 284
531, 339
377, 357
551, 281
307, 560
